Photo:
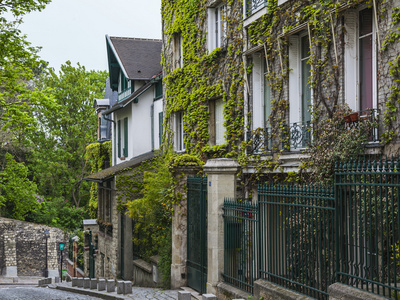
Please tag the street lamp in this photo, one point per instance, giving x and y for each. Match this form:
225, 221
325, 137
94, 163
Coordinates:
61, 246
46, 236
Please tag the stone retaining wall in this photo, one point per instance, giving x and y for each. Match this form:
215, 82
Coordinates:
23, 248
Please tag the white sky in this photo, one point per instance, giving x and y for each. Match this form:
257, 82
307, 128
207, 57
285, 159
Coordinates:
75, 29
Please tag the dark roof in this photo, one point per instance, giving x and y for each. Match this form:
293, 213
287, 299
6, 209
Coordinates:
140, 57
105, 174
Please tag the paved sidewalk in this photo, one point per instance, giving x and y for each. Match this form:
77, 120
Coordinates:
21, 280
138, 293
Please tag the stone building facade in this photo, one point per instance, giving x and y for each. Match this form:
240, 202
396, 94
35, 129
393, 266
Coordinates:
23, 249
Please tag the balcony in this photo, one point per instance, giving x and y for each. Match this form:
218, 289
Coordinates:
259, 141
296, 136
370, 118
253, 6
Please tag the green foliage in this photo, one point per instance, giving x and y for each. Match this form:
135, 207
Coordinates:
57, 156
17, 192
204, 76
96, 155
59, 213
332, 141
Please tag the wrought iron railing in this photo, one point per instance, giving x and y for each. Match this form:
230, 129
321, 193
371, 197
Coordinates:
259, 141
366, 120
241, 244
296, 136
368, 225
254, 5
297, 237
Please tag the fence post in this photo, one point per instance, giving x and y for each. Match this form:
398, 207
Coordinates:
221, 174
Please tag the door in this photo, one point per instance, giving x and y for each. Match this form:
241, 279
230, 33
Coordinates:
197, 233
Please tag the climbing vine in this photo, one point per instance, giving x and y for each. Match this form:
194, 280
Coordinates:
96, 156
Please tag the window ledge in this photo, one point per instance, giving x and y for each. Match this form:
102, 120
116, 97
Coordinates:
255, 16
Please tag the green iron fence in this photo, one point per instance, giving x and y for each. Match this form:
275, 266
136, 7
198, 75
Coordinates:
240, 243
368, 220
297, 237
306, 237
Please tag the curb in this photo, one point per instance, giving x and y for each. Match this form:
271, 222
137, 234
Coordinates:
88, 292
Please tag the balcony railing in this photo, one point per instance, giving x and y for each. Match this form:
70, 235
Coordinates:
367, 117
296, 136
259, 141
254, 5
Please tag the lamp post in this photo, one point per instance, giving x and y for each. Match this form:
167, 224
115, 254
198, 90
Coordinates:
61, 246
46, 236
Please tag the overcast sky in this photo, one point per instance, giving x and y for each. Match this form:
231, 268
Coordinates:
75, 29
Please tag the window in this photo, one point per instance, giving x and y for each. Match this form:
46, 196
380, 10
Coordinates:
125, 88
158, 90
177, 52
160, 126
216, 27
300, 71
123, 139
360, 60
216, 124
179, 132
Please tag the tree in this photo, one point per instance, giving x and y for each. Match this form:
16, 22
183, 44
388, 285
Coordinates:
65, 129
17, 192
19, 63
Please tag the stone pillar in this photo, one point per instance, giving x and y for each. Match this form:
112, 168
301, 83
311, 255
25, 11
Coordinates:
10, 253
52, 255
179, 225
221, 175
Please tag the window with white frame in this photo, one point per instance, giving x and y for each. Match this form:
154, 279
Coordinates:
360, 59
216, 27
122, 138
300, 98
177, 52
216, 123
261, 92
179, 132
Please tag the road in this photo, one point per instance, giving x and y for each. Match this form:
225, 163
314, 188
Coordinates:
15, 292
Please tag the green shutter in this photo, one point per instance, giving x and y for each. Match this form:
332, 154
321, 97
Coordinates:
119, 138
126, 137
160, 127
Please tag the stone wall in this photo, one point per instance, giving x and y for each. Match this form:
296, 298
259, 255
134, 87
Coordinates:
23, 248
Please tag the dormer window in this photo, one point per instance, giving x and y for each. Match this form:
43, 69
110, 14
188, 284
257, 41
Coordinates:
125, 87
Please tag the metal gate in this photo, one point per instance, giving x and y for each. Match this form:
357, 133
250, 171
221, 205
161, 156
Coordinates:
197, 233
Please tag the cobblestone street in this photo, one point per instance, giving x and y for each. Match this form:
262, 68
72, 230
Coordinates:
34, 293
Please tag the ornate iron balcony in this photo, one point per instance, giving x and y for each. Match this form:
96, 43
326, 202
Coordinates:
254, 5
296, 136
259, 141
354, 120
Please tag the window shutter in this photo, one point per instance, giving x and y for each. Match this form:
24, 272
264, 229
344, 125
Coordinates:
219, 122
294, 79
126, 137
350, 59
160, 127
119, 138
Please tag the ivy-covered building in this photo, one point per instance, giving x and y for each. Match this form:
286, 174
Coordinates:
134, 110
285, 87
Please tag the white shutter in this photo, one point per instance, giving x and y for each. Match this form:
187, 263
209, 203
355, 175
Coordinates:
219, 122
294, 80
258, 103
351, 60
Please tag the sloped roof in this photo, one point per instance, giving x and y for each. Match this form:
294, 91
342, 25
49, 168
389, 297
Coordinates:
140, 58
105, 174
